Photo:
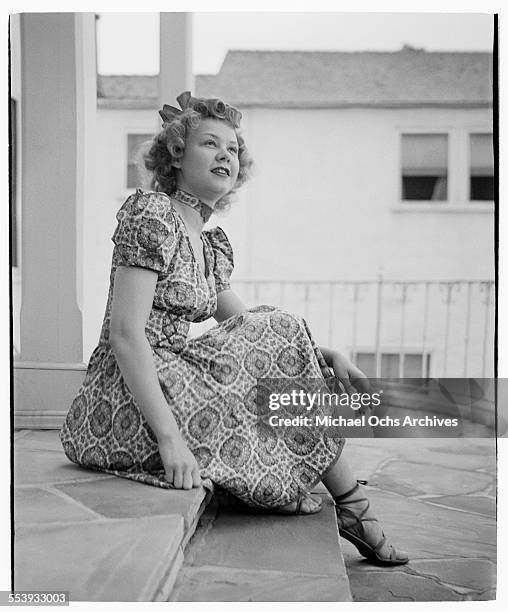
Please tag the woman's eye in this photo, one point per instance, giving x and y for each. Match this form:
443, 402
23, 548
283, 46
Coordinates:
234, 150
210, 142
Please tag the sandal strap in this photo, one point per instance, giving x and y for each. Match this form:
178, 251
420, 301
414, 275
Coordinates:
338, 498
346, 500
380, 544
355, 531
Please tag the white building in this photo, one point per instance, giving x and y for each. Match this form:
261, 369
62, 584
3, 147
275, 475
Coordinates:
366, 164
372, 168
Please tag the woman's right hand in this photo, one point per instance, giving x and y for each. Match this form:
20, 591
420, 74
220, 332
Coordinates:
180, 465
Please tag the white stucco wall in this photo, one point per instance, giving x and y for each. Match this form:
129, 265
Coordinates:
326, 187
324, 204
99, 217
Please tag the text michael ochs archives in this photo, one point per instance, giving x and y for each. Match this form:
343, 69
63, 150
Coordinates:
301, 400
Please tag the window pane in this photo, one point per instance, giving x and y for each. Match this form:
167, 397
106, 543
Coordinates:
134, 143
412, 366
367, 363
482, 188
424, 167
389, 365
424, 188
425, 154
481, 167
482, 154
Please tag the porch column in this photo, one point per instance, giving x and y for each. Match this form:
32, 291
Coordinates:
175, 72
58, 87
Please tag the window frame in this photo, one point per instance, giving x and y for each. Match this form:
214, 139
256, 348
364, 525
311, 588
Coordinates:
458, 170
415, 131
425, 132
387, 349
471, 132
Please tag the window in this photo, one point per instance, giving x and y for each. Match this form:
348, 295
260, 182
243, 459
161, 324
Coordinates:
412, 366
134, 143
425, 167
481, 170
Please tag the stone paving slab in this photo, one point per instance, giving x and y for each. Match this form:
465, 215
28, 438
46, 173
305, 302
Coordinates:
240, 555
41, 467
244, 540
427, 531
471, 574
447, 526
20, 433
395, 585
408, 478
470, 503
101, 537
366, 455
122, 498
460, 457
229, 584
37, 439
111, 560
35, 506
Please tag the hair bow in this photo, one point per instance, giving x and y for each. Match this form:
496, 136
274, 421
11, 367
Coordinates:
168, 112
186, 100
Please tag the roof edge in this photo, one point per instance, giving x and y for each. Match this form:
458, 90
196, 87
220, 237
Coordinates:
153, 104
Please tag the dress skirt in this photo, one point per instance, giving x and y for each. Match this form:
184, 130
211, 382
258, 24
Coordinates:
213, 388
215, 385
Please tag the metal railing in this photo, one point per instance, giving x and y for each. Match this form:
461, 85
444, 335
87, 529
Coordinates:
452, 320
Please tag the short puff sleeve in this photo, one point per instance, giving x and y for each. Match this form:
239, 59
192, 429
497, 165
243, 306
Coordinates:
223, 258
146, 232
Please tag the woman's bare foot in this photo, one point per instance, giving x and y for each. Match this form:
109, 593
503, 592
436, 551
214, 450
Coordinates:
307, 504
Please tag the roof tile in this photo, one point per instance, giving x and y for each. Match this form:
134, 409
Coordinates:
329, 79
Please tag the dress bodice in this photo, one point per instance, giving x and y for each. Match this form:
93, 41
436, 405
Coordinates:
151, 234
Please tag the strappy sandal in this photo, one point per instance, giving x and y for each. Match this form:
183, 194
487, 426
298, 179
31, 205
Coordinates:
355, 532
298, 511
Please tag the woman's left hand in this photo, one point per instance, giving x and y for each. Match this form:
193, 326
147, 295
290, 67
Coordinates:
352, 378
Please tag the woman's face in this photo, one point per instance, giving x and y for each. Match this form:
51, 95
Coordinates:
209, 166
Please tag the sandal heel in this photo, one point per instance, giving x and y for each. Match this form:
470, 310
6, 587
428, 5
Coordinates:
355, 532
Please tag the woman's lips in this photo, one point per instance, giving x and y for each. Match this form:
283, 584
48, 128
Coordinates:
221, 171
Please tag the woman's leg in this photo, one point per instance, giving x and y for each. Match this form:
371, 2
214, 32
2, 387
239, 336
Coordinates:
340, 479
354, 516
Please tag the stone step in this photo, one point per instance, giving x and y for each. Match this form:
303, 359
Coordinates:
104, 538
100, 537
239, 555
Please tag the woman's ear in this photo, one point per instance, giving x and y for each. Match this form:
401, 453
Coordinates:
177, 163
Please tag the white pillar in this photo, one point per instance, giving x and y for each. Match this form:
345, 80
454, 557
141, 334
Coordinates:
58, 86
175, 72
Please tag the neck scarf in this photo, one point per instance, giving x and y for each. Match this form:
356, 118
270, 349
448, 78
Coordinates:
189, 200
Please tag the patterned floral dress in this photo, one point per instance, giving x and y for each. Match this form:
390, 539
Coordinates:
209, 382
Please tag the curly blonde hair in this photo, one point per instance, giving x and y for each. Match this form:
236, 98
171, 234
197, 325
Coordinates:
169, 144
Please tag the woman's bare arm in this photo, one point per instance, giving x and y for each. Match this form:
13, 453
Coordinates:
132, 301
228, 305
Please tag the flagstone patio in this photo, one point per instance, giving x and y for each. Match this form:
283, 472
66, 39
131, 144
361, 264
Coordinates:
104, 538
